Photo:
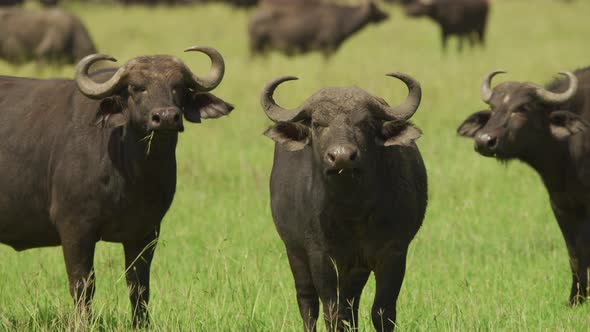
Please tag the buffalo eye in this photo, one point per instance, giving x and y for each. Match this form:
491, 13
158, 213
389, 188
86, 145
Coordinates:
138, 88
177, 90
178, 95
519, 111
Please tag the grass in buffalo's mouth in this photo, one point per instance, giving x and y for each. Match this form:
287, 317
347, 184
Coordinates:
149, 139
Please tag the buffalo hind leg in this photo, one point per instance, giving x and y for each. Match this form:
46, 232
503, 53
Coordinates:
575, 232
444, 41
389, 275
472, 37
307, 297
460, 41
138, 259
79, 259
481, 33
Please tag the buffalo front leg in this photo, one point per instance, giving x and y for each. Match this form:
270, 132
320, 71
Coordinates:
581, 266
138, 259
575, 232
389, 275
79, 259
325, 279
340, 290
351, 286
307, 297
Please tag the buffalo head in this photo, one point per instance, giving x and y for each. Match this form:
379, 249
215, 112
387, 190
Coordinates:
420, 8
521, 116
153, 93
344, 126
376, 15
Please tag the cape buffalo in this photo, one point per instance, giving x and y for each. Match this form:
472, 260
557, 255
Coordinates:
464, 18
7, 3
93, 159
304, 28
47, 3
348, 194
48, 34
545, 128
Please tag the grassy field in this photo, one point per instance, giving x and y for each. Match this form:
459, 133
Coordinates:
489, 256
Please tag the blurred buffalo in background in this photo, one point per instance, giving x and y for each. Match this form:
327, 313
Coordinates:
465, 19
402, 2
237, 3
308, 26
50, 34
7, 3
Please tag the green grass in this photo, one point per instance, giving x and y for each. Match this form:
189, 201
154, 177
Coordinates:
489, 256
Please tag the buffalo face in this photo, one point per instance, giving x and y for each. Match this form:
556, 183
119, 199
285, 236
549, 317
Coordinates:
344, 127
376, 15
419, 8
521, 116
154, 93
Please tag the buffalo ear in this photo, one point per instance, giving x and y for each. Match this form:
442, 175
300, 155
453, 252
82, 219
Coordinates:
398, 133
474, 123
292, 136
564, 124
206, 106
110, 113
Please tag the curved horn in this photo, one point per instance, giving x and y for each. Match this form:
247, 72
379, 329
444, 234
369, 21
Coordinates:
90, 88
486, 85
215, 74
275, 112
410, 105
559, 97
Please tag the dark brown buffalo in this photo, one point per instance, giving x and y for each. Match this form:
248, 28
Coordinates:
47, 3
304, 28
7, 3
348, 194
401, 2
84, 161
156, 2
465, 19
546, 128
49, 34
237, 3
286, 3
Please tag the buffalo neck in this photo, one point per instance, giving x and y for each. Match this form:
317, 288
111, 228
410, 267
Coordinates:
552, 160
137, 154
343, 197
356, 19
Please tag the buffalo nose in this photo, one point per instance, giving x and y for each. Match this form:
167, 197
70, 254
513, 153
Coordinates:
166, 118
342, 156
485, 143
